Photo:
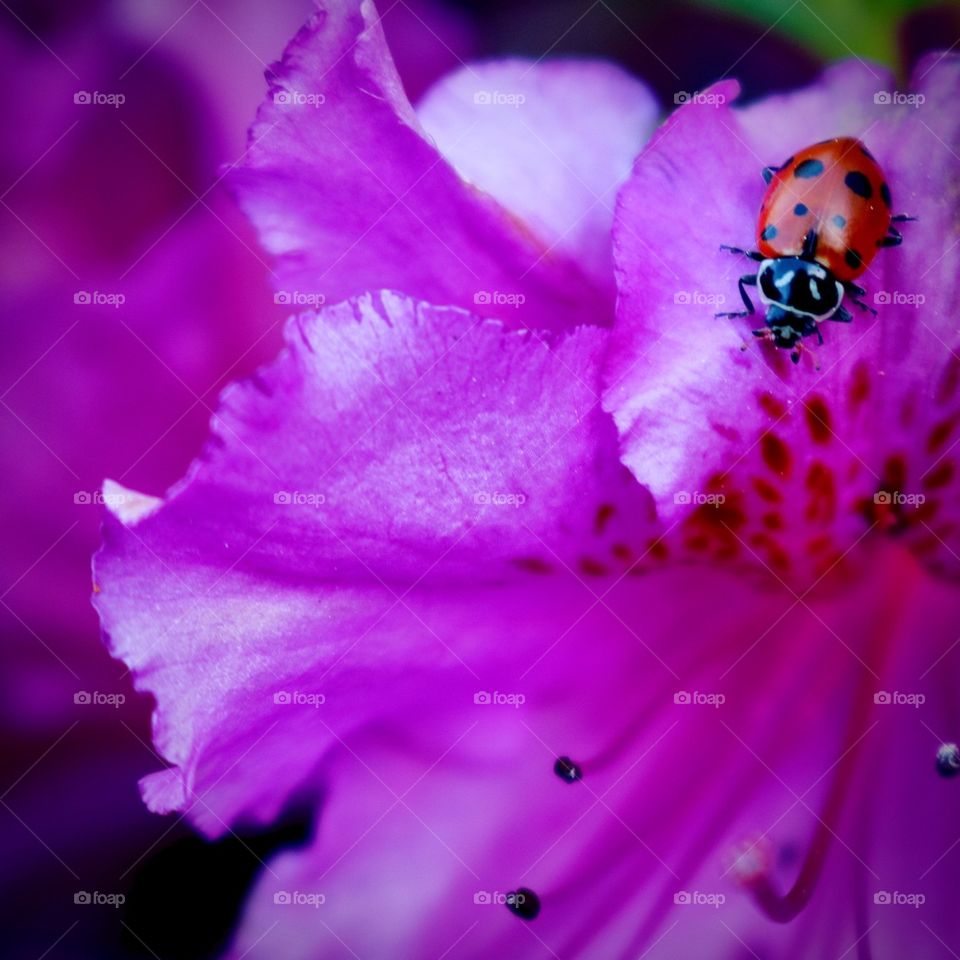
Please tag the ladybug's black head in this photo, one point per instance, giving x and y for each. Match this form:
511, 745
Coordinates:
803, 289
785, 334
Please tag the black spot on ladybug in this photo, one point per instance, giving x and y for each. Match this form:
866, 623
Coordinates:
885, 195
854, 260
809, 168
866, 152
839, 221
769, 232
800, 209
859, 183
524, 903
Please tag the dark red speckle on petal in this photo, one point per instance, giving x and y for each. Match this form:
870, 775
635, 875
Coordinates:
940, 434
818, 419
949, 381
822, 506
605, 513
940, 476
770, 404
593, 568
859, 384
766, 490
622, 552
775, 453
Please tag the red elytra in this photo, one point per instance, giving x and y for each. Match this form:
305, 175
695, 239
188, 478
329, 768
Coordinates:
836, 189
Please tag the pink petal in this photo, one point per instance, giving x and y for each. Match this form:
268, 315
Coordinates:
552, 142
269, 570
350, 194
804, 458
453, 801
841, 104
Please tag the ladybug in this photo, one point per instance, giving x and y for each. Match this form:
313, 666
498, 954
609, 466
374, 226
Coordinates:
825, 214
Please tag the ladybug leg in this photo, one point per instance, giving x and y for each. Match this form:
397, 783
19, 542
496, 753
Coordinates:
768, 172
752, 254
856, 292
800, 348
864, 306
893, 238
843, 315
747, 280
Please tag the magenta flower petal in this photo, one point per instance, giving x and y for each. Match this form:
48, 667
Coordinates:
268, 565
808, 461
552, 142
350, 194
841, 104
410, 575
439, 812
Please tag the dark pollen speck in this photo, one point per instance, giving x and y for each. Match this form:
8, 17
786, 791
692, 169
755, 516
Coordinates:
524, 903
567, 770
948, 760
